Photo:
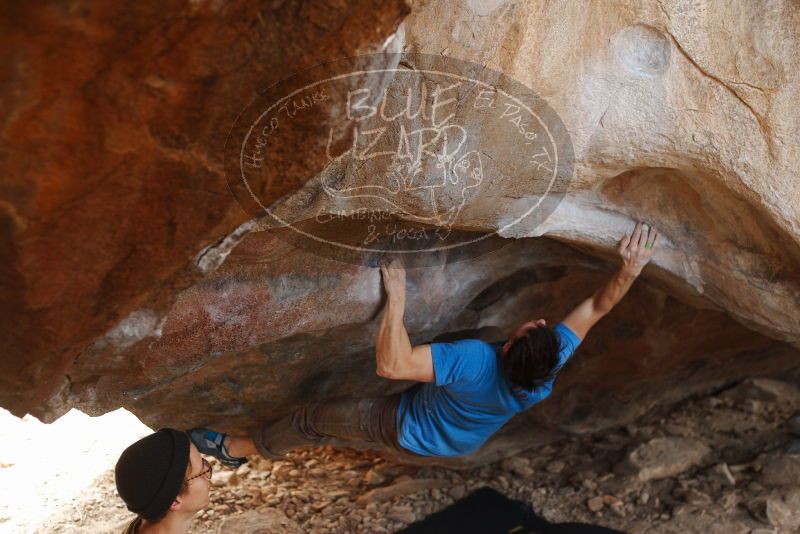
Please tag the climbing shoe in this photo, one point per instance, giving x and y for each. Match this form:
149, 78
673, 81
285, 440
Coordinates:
212, 443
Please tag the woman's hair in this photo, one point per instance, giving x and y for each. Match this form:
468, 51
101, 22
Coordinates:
532, 358
184, 489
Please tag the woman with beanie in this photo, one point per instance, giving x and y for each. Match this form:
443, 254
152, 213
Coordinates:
163, 480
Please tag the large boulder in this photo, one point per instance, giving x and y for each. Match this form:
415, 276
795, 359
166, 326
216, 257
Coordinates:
134, 278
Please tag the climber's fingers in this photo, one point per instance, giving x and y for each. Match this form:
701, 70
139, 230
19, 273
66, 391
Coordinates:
623, 244
648, 238
392, 262
393, 273
645, 234
387, 262
637, 234
655, 241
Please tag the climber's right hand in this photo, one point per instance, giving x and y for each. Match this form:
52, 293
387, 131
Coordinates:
394, 276
636, 250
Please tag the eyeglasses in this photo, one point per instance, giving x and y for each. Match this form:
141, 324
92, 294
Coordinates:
207, 469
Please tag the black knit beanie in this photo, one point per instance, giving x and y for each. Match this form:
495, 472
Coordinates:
150, 473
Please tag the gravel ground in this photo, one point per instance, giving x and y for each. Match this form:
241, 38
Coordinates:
725, 463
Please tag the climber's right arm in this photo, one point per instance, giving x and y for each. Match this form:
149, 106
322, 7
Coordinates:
394, 356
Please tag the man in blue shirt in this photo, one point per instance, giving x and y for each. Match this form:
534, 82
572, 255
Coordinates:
471, 396
466, 390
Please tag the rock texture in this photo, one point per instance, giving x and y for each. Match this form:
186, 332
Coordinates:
113, 124
326, 490
664, 457
664, 121
134, 279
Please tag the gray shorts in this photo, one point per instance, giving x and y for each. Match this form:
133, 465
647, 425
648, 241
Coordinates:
371, 420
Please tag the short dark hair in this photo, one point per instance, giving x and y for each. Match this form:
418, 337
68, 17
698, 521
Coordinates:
533, 358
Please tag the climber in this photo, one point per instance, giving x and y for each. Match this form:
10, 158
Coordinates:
163, 480
466, 390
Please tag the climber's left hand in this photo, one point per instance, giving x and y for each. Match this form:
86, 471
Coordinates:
636, 250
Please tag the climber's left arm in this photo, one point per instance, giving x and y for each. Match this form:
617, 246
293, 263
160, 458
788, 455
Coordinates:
635, 251
395, 357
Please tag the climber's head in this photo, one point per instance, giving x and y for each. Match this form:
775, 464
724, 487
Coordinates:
162, 474
530, 355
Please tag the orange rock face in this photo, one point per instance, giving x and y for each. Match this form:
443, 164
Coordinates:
114, 120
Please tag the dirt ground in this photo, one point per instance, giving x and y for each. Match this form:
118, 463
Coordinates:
725, 463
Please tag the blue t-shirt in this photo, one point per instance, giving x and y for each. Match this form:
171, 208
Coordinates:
470, 400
